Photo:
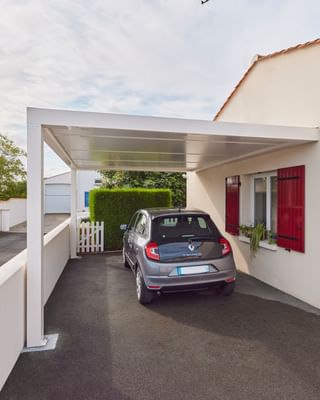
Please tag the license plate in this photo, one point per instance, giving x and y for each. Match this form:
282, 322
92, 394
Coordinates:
199, 269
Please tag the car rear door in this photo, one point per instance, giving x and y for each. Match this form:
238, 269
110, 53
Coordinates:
186, 238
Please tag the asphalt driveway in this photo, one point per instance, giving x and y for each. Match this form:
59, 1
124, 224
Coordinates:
257, 344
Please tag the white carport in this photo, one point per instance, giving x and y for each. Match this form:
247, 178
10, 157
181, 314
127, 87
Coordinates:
92, 141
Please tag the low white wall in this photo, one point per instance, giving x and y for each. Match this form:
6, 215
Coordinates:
13, 293
56, 256
18, 210
12, 313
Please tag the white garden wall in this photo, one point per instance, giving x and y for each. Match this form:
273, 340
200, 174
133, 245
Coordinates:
56, 256
12, 313
17, 211
13, 293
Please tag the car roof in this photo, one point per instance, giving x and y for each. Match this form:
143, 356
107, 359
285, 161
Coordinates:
161, 212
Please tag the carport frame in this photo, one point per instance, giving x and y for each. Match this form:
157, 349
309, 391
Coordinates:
38, 121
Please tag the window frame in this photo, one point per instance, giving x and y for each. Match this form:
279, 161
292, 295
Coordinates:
268, 176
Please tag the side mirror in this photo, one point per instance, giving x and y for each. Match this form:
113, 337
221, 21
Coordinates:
123, 227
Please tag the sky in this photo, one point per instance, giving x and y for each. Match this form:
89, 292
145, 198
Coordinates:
172, 58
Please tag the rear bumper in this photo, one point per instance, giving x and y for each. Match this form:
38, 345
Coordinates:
190, 288
160, 274
175, 283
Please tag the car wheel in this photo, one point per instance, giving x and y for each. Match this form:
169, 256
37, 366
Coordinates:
144, 295
227, 289
124, 260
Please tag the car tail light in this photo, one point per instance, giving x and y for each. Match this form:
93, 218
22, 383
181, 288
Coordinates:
226, 246
152, 251
154, 287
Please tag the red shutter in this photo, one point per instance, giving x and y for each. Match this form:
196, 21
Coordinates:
291, 189
232, 204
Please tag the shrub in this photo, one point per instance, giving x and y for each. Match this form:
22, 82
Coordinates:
116, 207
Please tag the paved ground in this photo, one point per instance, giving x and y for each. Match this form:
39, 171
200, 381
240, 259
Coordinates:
11, 243
184, 346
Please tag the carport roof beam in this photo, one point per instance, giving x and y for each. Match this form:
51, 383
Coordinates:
87, 140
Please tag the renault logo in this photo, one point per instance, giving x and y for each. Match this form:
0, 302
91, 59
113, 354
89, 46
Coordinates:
191, 247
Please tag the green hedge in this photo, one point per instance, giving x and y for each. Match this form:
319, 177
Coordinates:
116, 206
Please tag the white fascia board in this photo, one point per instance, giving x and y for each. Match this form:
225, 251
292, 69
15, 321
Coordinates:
251, 155
125, 168
169, 125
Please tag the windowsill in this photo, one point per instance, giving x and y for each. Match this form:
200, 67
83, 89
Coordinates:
263, 243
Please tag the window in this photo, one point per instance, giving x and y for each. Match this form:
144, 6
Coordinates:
141, 224
182, 227
132, 221
264, 200
277, 200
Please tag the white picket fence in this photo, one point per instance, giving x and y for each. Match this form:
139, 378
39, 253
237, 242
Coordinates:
90, 237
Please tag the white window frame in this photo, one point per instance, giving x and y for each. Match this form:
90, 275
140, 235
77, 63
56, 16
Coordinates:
268, 176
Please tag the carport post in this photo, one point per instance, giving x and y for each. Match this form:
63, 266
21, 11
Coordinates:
73, 221
35, 309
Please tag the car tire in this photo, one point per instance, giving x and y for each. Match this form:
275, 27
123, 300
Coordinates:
144, 295
227, 289
124, 260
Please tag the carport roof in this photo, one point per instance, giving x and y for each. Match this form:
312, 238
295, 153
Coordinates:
92, 141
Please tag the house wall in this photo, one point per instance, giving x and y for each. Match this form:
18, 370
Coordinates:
57, 200
86, 182
295, 273
281, 90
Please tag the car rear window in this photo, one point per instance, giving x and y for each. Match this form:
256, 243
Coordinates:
182, 227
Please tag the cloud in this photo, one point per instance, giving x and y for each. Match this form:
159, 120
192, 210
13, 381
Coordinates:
154, 57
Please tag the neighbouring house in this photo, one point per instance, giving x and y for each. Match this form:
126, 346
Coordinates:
281, 188
58, 191
12, 212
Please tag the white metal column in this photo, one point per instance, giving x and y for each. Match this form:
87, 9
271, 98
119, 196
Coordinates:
73, 222
35, 309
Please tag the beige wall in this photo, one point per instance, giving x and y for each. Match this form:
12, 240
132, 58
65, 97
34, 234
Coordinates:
295, 273
282, 90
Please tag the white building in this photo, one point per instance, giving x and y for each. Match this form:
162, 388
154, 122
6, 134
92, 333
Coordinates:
58, 191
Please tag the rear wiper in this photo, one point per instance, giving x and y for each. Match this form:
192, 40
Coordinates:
194, 237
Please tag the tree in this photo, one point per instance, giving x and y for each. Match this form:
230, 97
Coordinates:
12, 171
149, 180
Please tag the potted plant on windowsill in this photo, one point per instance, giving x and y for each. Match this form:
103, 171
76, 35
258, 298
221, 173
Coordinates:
257, 234
246, 230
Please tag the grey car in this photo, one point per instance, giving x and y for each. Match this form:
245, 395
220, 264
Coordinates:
171, 250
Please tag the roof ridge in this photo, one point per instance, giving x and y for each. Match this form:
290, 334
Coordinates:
292, 48
259, 57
